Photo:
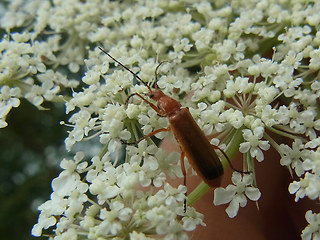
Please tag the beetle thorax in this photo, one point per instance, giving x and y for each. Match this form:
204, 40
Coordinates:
167, 104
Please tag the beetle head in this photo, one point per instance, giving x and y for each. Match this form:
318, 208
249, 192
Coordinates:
167, 104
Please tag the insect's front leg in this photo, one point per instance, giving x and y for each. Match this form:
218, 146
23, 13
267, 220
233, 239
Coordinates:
154, 107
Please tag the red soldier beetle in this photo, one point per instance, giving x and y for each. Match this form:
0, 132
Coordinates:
192, 141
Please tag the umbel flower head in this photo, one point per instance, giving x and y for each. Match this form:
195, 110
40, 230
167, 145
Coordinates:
247, 70
107, 203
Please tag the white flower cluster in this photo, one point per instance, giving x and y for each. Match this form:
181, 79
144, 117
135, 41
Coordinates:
29, 60
100, 200
248, 67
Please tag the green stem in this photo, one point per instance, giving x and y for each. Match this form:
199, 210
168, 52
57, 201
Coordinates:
197, 193
233, 149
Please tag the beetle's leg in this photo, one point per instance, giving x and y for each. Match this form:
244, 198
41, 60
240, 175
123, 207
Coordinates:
225, 155
184, 172
183, 169
149, 135
154, 107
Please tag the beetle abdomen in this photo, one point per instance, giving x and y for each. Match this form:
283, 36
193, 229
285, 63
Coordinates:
196, 146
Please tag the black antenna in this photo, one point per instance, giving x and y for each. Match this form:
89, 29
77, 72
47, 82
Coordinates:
128, 69
156, 74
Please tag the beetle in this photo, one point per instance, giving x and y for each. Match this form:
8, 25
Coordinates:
191, 139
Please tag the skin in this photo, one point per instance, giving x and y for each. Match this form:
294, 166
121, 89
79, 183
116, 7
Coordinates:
278, 217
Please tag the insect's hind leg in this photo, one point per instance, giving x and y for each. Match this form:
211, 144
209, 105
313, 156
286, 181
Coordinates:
232, 167
184, 172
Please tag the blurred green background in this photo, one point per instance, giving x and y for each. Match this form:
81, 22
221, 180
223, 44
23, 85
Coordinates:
31, 149
32, 146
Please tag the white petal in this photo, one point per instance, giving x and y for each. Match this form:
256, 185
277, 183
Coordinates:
241, 199
151, 163
44, 223
236, 178
247, 179
294, 187
244, 147
3, 123
316, 235
111, 192
307, 165
253, 193
247, 134
256, 152
285, 161
63, 185
309, 216
37, 230
222, 196
264, 145
306, 235
233, 208
258, 131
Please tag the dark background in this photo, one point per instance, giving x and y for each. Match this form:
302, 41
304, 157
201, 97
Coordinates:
31, 149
